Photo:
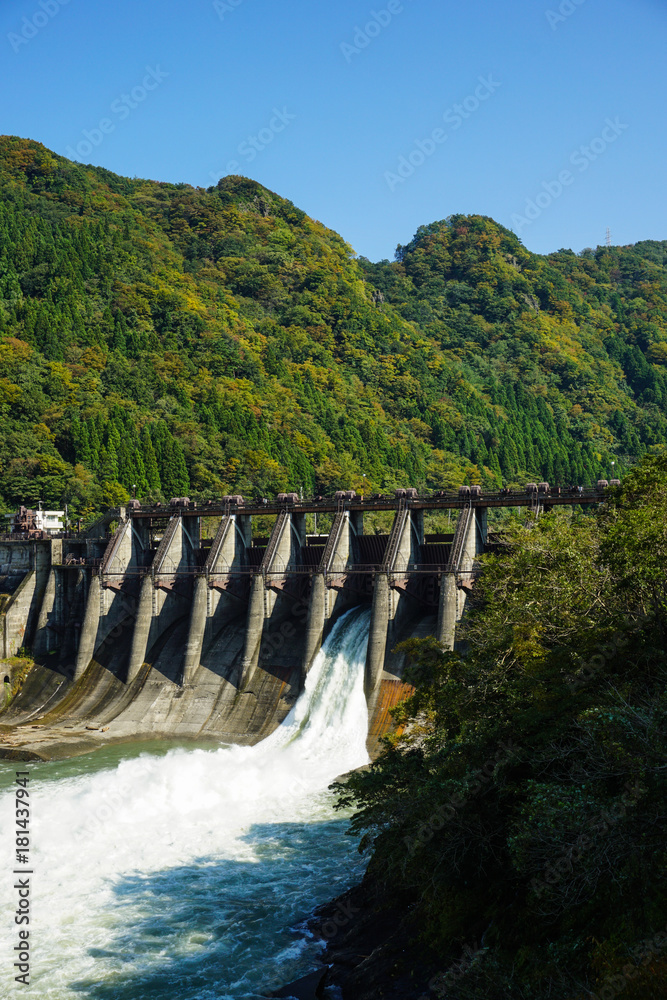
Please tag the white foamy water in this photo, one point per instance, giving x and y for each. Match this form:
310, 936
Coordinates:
177, 877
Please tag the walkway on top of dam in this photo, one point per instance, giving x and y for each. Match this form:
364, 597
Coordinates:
541, 495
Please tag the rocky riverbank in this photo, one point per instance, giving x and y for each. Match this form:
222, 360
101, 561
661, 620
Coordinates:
370, 951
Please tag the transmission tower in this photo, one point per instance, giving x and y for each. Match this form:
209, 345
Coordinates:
607, 238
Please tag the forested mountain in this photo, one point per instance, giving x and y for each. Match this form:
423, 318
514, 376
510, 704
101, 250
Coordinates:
207, 341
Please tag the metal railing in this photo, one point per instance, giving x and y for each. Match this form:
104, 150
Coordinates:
274, 542
332, 542
218, 542
398, 527
460, 539
114, 545
439, 500
163, 548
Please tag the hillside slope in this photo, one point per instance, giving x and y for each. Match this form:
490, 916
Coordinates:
206, 341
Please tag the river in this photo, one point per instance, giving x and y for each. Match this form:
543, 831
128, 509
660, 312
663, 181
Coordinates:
182, 873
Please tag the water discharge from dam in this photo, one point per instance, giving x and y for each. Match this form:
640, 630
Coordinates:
180, 876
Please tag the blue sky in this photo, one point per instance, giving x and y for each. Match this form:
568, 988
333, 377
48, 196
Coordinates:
559, 131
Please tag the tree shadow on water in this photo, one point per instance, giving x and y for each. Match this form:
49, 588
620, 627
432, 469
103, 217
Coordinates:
223, 928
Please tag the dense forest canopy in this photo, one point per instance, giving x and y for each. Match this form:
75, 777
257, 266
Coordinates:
210, 341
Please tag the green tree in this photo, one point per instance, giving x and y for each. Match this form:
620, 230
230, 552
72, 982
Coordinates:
150, 461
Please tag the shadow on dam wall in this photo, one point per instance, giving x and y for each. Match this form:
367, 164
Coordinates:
152, 634
156, 703
49, 716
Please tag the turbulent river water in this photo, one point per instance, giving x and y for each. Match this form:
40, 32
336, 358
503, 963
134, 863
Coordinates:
183, 875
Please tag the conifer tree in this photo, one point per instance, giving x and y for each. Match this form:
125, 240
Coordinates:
139, 478
108, 467
174, 473
94, 443
125, 463
150, 463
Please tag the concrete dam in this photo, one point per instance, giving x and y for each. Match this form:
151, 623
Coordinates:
181, 624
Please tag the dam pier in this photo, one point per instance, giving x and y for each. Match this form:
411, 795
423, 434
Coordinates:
178, 621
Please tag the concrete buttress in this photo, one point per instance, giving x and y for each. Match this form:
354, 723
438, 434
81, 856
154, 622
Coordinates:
316, 622
142, 628
170, 585
196, 629
108, 604
392, 603
377, 638
254, 629
44, 639
468, 542
90, 628
330, 592
447, 610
